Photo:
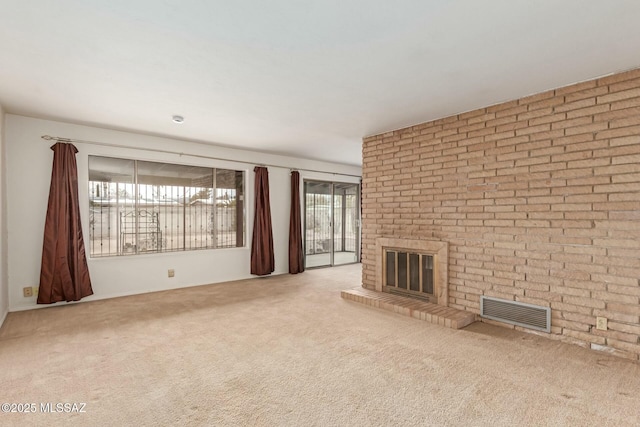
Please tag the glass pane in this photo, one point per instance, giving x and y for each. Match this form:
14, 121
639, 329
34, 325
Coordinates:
338, 237
111, 194
241, 224
402, 270
175, 204
226, 224
391, 268
317, 223
346, 216
427, 274
171, 215
414, 272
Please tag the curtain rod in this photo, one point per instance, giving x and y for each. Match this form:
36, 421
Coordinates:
158, 150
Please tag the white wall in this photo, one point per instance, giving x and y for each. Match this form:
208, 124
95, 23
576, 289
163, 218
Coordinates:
4, 283
29, 163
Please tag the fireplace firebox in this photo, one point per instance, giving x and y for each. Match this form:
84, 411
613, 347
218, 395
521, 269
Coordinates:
414, 268
409, 273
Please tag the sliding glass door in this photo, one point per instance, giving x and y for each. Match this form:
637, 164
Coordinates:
332, 220
346, 219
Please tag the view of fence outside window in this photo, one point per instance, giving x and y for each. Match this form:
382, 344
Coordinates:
140, 207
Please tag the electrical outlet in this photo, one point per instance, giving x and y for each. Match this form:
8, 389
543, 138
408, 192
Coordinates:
601, 323
35, 290
27, 292
171, 272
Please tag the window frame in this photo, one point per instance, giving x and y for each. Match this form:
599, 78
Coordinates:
137, 207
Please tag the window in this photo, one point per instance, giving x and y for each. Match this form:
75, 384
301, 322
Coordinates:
145, 207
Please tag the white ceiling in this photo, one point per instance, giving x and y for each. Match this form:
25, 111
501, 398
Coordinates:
308, 79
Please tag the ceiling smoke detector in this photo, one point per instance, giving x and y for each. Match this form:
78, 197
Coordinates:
178, 119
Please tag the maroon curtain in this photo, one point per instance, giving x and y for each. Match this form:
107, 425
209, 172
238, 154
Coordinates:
296, 261
262, 258
64, 274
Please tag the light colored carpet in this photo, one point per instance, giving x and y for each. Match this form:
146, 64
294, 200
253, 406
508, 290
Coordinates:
288, 350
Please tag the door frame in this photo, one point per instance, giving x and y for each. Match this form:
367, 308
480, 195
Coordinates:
358, 232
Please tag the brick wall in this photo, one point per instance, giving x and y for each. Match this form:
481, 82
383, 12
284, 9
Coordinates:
539, 199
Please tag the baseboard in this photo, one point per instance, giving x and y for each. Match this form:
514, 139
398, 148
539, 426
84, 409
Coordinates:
127, 294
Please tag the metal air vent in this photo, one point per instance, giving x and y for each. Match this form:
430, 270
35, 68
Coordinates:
516, 313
